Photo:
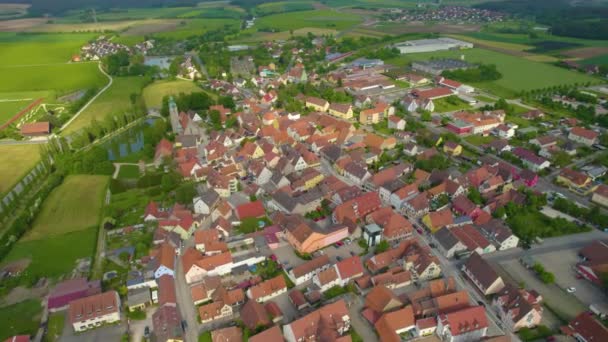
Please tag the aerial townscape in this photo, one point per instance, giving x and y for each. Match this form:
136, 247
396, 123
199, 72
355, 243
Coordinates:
304, 170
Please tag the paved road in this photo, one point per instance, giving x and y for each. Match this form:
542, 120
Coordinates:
111, 80
184, 300
24, 142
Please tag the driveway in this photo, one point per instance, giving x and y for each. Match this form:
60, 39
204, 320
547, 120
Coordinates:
287, 257
138, 327
102, 334
362, 327
343, 252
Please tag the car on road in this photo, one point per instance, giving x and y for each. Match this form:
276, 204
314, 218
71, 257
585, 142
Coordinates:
419, 231
481, 303
339, 244
184, 324
273, 257
571, 289
147, 331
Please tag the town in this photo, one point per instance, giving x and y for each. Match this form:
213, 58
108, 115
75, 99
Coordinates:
298, 189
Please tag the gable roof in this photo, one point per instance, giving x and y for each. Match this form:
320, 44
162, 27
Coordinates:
465, 320
481, 270
253, 314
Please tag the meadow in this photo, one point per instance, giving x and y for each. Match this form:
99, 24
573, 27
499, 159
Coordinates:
115, 100
154, 93
59, 215
317, 18
30, 49
129, 172
15, 162
20, 319
517, 73
62, 78
12, 102
283, 6
194, 27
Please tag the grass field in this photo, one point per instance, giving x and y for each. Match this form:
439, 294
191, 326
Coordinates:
74, 206
54, 256
11, 103
317, 18
517, 73
8, 11
20, 319
154, 93
55, 326
479, 140
194, 27
27, 49
62, 78
450, 104
15, 162
283, 6
115, 100
129, 172
492, 43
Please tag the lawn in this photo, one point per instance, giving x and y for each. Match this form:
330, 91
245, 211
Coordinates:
62, 78
20, 319
205, 337
55, 327
40, 48
485, 99
450, 104
517, 73
154, 93
15, 162
73, 206
194, 27
54, 256
8, 109
129, 172
115, 100
13, 102
479, 140
317, 18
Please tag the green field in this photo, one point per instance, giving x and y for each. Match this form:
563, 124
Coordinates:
13, 102
283, 6
20, 319
295, 20
54, 256
517, 73
62, 78
15, 162
154, 93
129, 172
115, 100
73, 206
55, 326
28, 49
195, 27
450, 104
9, 109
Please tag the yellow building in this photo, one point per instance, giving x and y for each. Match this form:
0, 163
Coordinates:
341, 110
317, 104
452, 148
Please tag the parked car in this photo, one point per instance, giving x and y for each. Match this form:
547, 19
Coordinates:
339, 244
571, 289
419, 231
147, 332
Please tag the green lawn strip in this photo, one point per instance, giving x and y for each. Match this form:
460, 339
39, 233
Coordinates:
450, 104
20, 319
206, 337
479, 140
129, 172
55, 327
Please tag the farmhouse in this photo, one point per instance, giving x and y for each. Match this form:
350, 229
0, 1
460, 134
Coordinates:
36, 129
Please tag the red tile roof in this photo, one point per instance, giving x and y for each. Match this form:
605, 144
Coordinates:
94, 306
250, 210
465, 320
350, 267
583, 132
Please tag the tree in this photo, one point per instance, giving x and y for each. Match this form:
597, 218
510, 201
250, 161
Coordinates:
185, 193
168, 182
475, 196
382, 246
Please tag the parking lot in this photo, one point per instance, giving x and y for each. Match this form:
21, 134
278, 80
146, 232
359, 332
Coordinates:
561, 264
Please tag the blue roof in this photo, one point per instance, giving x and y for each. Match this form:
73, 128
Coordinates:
462, 219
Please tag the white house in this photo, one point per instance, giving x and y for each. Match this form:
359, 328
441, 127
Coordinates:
94, 311
306, 271
469, 324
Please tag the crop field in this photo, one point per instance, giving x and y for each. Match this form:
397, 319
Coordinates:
15, 162
154, 93
8, 11
16, 25
317, 18
20, 319
73, 206
495, 44
28, 49
517, 73
265, 36
214, 12
115, 100
98, 27
197, 26
283, 6
117, 14
525, 39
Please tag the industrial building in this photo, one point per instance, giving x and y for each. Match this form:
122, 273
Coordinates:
437, 66
430, 45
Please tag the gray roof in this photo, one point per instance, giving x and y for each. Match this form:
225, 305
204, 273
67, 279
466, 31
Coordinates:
187, 140
331, 152
446, 239
138, 296
356, 170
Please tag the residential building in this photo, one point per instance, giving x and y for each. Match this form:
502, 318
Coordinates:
70, 290
576, 181
93, 311
583, 136
585, 328
330, 322
303, 273
594, 261
600, 195
392, 324
469, 324
518, 308
482, 275
267, 289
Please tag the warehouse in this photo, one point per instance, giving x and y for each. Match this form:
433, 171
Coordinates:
430, 45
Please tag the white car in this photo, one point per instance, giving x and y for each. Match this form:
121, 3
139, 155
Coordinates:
571, 290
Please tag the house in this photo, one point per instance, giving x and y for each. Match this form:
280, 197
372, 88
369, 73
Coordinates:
164, 151
339, 274
356, 172
463, 206
357, 208
586, 328
272, 334
138, 299
545, 141
433, 93
530, 159
303, 273
533, 115
372, 140
341, 110
268, 289
208, 241
206, 202
417, 206
448, 243
452, 148
518, 308
469, 324
250, 210
196, 266
499, 234
392, 324
583, 136
381, 299
576, 181
230, 334
214, 311
330, 322
505, 131
600, 195
296, 297
426, 326
254, 315
454, 85
166, 324
306, 238
374, 115
36, 129
594, 261
94, 311
317, 104
413, 104
164, 260
482, 275
70, 290
438, 219
396, 123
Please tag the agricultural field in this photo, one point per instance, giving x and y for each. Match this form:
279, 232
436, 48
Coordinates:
58, 216
13, 102
62, 78
282, 7
115, 100
20, 319
9, 11
249, 37
317, 18
15, 162
154, 93
30, 49
193, 27
517, 73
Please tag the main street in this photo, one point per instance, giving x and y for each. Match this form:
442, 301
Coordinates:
184, 299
